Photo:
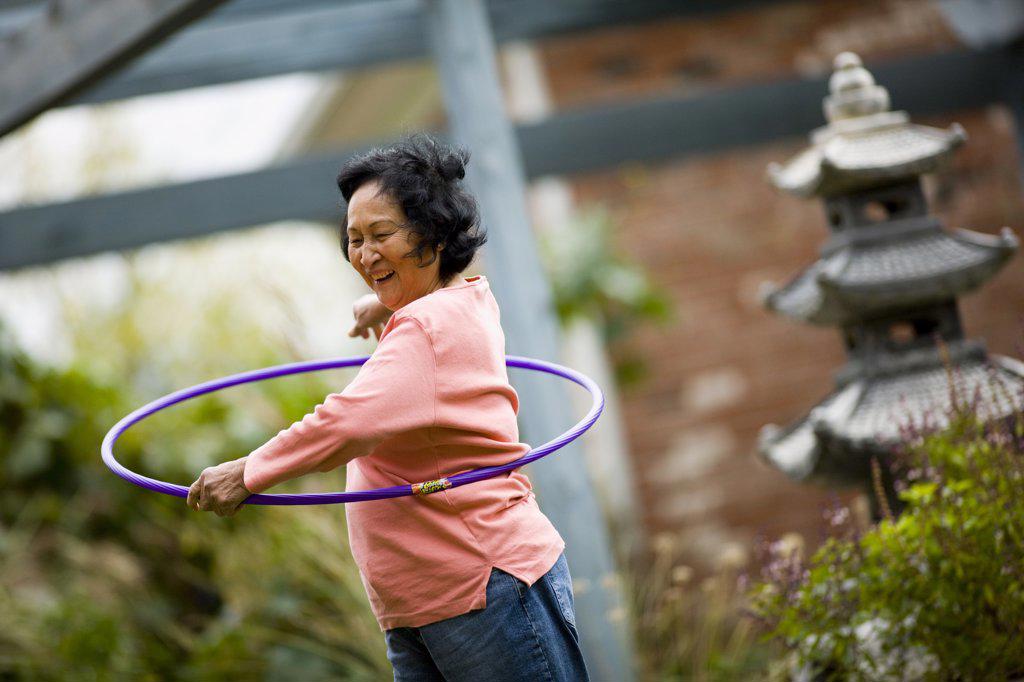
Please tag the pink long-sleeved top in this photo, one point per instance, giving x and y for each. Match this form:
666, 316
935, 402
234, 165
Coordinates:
433, 400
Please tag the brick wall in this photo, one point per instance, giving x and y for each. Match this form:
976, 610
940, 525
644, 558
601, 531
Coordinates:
710, 229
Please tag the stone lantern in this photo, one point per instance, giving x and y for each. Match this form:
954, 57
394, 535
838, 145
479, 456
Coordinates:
888, 278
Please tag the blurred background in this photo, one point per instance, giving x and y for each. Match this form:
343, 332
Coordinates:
168, 216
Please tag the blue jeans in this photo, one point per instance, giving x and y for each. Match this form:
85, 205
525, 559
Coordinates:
524, 633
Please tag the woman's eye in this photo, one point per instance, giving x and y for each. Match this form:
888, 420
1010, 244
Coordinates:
356, 242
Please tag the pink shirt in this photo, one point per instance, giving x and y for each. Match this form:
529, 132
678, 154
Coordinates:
434, 400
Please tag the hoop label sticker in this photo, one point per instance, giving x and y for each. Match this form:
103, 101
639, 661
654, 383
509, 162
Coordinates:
428, 487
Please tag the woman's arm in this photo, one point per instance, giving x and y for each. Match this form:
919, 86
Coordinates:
394, 392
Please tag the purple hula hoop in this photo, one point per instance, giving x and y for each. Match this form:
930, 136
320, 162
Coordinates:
427, 487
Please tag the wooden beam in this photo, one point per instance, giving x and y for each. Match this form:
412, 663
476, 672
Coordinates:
14, 16
463, 47
645, 131
303, 190
71, 45
667, 128
983, 24
14, 13
248, 44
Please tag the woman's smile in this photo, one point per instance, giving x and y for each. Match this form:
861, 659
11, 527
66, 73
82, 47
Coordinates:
380, 279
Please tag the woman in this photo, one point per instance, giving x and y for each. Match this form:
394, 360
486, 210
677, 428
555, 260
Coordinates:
469, 583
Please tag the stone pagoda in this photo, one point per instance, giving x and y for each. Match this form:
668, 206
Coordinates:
888, 278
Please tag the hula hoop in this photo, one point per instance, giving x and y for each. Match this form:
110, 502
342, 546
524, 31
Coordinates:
424, 488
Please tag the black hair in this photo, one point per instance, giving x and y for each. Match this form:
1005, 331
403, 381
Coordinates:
422, 175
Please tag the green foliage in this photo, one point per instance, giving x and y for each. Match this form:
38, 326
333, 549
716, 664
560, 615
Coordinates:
935, 594
100, 580
592, 279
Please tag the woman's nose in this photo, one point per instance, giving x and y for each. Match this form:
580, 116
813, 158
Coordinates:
368, 257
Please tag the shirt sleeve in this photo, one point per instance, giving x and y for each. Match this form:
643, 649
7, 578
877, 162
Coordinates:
393, 393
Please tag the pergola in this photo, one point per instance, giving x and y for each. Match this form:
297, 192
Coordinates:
63, 52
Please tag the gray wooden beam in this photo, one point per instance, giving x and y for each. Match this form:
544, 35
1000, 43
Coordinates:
15, 13
669, 127
464, 49
252, 44
984, 23
304, 190
14, 17
649, 130
74, 43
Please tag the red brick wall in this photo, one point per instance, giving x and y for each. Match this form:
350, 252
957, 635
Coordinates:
776, 41
710, 229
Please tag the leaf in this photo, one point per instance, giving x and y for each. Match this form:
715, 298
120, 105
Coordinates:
919, 493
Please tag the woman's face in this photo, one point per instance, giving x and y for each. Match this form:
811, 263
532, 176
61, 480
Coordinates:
377, 244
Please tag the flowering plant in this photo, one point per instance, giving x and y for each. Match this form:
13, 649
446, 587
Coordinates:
935, 593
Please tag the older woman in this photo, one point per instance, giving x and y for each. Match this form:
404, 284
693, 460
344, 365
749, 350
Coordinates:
470, 583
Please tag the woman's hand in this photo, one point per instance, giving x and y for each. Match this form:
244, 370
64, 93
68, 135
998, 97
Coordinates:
220, 489
369, 313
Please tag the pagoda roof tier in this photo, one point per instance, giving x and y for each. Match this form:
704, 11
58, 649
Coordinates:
863, 152
889, 267
871, 414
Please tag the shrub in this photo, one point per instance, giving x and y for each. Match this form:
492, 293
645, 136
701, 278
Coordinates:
937, 593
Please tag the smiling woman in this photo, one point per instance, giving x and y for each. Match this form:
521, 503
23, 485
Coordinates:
470, 582
410, 226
